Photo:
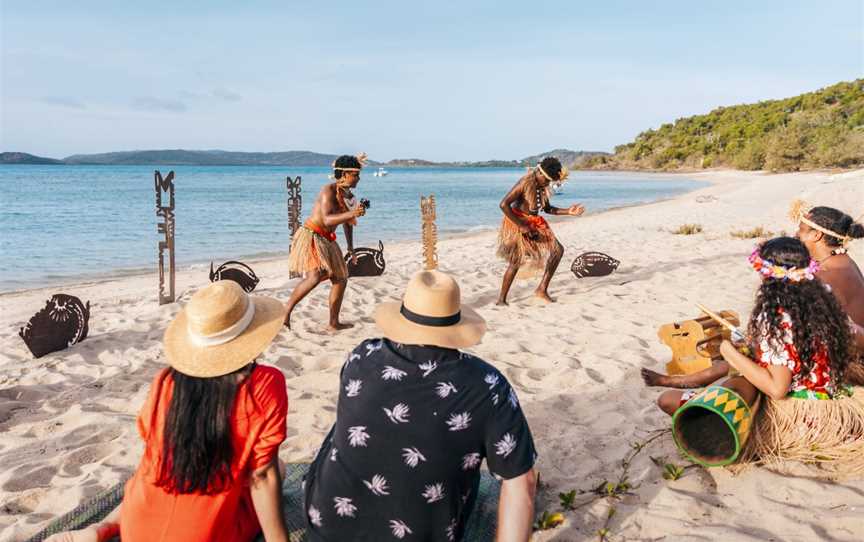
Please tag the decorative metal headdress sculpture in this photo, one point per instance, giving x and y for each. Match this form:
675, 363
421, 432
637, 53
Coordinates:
166, 227
430, 232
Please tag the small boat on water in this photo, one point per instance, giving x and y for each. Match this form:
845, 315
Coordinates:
380, 173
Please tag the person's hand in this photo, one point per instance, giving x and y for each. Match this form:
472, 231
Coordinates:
359, 211
88, 534
575, 210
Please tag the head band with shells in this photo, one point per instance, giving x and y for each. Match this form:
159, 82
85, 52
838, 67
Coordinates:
798, 213
561, 176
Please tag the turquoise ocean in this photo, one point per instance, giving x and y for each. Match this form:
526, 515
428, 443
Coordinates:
63, 224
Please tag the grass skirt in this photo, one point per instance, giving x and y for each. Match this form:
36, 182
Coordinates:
516, 249
828, 434
311, 252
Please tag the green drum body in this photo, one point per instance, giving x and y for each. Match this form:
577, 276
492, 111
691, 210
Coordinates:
712, 427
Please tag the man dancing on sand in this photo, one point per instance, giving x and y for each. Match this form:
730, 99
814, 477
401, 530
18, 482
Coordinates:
525, 236
314, 250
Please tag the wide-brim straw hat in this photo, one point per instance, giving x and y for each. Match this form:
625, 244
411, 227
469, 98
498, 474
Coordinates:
431, 313
221, 329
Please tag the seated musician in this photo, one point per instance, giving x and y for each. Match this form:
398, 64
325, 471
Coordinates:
798, 330
825, 232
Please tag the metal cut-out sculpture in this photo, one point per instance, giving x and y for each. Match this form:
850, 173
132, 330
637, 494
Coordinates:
239, 272
430, 232
370, 262
593, 264
295, 207
166, 227
62, 323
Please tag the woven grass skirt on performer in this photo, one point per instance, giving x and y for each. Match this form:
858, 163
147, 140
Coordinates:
314, 249
828, 433
518, 249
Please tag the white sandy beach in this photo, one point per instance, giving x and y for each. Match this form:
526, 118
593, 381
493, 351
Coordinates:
67, 426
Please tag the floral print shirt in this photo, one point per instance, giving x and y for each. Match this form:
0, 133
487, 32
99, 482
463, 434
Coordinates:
413, 425
816, 384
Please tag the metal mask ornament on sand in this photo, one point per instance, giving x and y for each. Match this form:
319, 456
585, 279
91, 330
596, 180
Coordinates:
370, 262
295, 206
165, 212
593, 264
62, 323
239, 272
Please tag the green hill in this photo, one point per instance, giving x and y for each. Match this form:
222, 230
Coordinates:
204, 158
24, 158
821, 129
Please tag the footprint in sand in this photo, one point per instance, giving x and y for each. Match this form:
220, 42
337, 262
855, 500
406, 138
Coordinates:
30, 476
594, 375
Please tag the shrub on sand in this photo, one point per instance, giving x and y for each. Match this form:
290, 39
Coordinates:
756, 233
688, 229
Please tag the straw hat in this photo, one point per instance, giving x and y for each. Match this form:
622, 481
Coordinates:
431, 313
221, 329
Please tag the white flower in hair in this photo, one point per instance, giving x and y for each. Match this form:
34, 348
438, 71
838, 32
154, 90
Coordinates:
444, 389
392, 373
470, 461
434, 493
428, 367
458, 422
399, 413
492, 380
344, 507
352, 389
357, 436
412, 457
399, 528
373, 346
378, 485
505, 446
314, 516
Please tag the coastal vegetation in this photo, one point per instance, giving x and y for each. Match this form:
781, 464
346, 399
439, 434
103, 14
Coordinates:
821, 129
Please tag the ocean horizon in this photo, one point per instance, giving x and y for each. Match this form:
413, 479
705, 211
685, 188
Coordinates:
67, 224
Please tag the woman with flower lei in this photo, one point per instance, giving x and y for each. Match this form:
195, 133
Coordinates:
797, 330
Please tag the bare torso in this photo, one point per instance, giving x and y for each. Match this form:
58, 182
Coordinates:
847, 283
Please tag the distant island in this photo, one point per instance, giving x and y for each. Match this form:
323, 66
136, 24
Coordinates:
179, 157
821, 129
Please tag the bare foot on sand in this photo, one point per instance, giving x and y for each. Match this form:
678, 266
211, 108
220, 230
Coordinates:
545, 297
502, 303
339, 326
653, 378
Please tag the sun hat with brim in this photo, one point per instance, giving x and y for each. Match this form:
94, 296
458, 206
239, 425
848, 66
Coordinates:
221, 329
431, 313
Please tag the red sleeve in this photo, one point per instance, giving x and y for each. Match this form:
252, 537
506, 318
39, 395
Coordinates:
146, 415
271, 396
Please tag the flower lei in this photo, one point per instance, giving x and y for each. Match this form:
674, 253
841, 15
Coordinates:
770, 270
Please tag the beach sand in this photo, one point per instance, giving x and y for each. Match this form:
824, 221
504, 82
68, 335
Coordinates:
67, 420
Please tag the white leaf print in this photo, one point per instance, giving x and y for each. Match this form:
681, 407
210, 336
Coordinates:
378, 485
434, 493
399, 414
494, 398
428, 367
352, 389
470, 461
357, 436
333, 452
344, 507
412, 457
314, 516
373, 346
451, 530
353, 357
505, 446
392, 373
492, 380
514, 401
458, 422
444, 389
399, 528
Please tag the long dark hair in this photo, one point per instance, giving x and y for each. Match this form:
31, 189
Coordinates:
197, 441
818, 322
836, 221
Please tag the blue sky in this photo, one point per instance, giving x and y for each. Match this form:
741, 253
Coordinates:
438, 80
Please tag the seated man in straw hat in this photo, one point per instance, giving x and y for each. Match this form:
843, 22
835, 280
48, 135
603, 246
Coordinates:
525, 237
314, 250
415, 419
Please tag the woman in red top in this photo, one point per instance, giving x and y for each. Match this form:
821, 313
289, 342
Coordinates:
212, 425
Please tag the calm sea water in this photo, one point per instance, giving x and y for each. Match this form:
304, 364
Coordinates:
59, 224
